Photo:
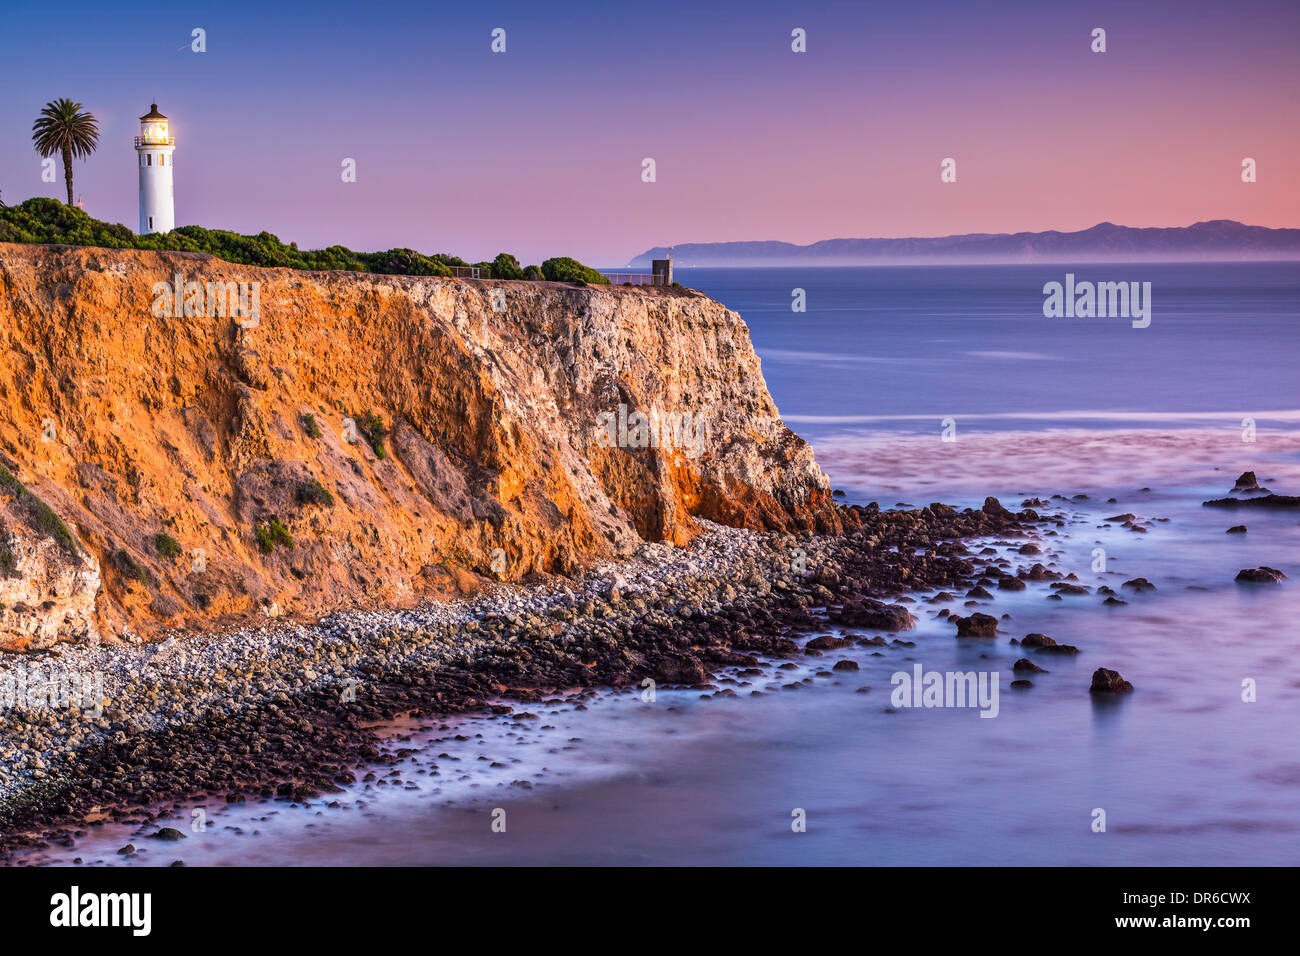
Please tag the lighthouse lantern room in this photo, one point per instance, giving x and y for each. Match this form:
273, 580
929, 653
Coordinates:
154, 147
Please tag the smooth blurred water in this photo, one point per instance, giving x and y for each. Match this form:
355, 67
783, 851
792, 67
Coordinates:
1185, 769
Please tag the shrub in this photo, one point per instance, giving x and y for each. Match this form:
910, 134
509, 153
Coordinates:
167, 546
271, 534
130, 567
564, 269
38, 514
534, 274
312, 492
372, 426
8, 560
506, 266
309, 425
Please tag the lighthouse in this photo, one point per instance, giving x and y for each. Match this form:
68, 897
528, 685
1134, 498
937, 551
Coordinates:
154, 147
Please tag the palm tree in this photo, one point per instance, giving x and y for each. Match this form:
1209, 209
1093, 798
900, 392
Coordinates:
64, 128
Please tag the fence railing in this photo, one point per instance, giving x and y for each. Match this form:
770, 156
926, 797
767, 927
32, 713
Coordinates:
470, 272
635, 278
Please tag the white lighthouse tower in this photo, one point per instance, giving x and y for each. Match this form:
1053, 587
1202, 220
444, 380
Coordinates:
154, 147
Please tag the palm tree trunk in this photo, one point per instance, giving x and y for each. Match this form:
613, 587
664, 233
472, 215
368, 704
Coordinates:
67, 171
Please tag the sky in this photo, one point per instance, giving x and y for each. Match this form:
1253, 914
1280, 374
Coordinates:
539, 150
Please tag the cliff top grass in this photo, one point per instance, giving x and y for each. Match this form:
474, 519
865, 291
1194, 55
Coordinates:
39, 515
41, 220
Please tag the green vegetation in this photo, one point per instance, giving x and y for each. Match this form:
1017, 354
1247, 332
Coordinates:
64, 128
309, 425
372, 426
271, 534
38, 514
312, 492
130, 567
564, 269
167, 546
44, 220
8, 560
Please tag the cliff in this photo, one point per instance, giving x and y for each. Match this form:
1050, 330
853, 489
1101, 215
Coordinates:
355, 440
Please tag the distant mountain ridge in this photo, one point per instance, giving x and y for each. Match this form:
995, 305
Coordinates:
1215, 239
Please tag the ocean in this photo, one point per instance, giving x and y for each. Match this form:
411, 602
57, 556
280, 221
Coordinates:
915, 385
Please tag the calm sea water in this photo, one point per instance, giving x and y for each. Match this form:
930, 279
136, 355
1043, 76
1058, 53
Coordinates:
1186, 771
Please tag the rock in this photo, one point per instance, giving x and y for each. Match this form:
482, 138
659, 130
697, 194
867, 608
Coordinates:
977, 625
1068, 650
1126, 516
994, 507
827, 642
1261, 575
126, 850
845, 665
1022, 684
1139, 584
1025, 664
875, 614
169, 833
1011, 583
1246, 481
1267, 501
1236, 529
1030, 548
1037, 640
1108, 682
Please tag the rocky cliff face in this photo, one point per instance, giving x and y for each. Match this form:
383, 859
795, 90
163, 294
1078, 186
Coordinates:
356, 440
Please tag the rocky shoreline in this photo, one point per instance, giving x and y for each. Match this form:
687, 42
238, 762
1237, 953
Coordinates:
286, 710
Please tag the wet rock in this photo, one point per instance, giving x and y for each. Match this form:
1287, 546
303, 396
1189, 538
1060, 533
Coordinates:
1025, 664
1236, 529
1037, 640
876, 614
827, 642
1011, 583
1246, 481
1139, 585
1068, 650
1108, 682
977, 625
168, 833
1260, 575
1022, 684
845, 665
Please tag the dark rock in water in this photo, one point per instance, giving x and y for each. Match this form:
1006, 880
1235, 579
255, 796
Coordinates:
1113, 601
1236, 529
1025, 664
1247, 480
1037, 640
1139, 585
126, 850
176, 863
977, 625
1011, 583
1261, 575
1069, 588
1067, 649
845, 665
994, 507
1268, 501
827, 642
877, 614
1108, 682
1030, 548
1126, 516
1040, 573
1022, 684
169, 833
837, 493
978, 592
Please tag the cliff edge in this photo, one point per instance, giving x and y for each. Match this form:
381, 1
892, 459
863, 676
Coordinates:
355, 440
